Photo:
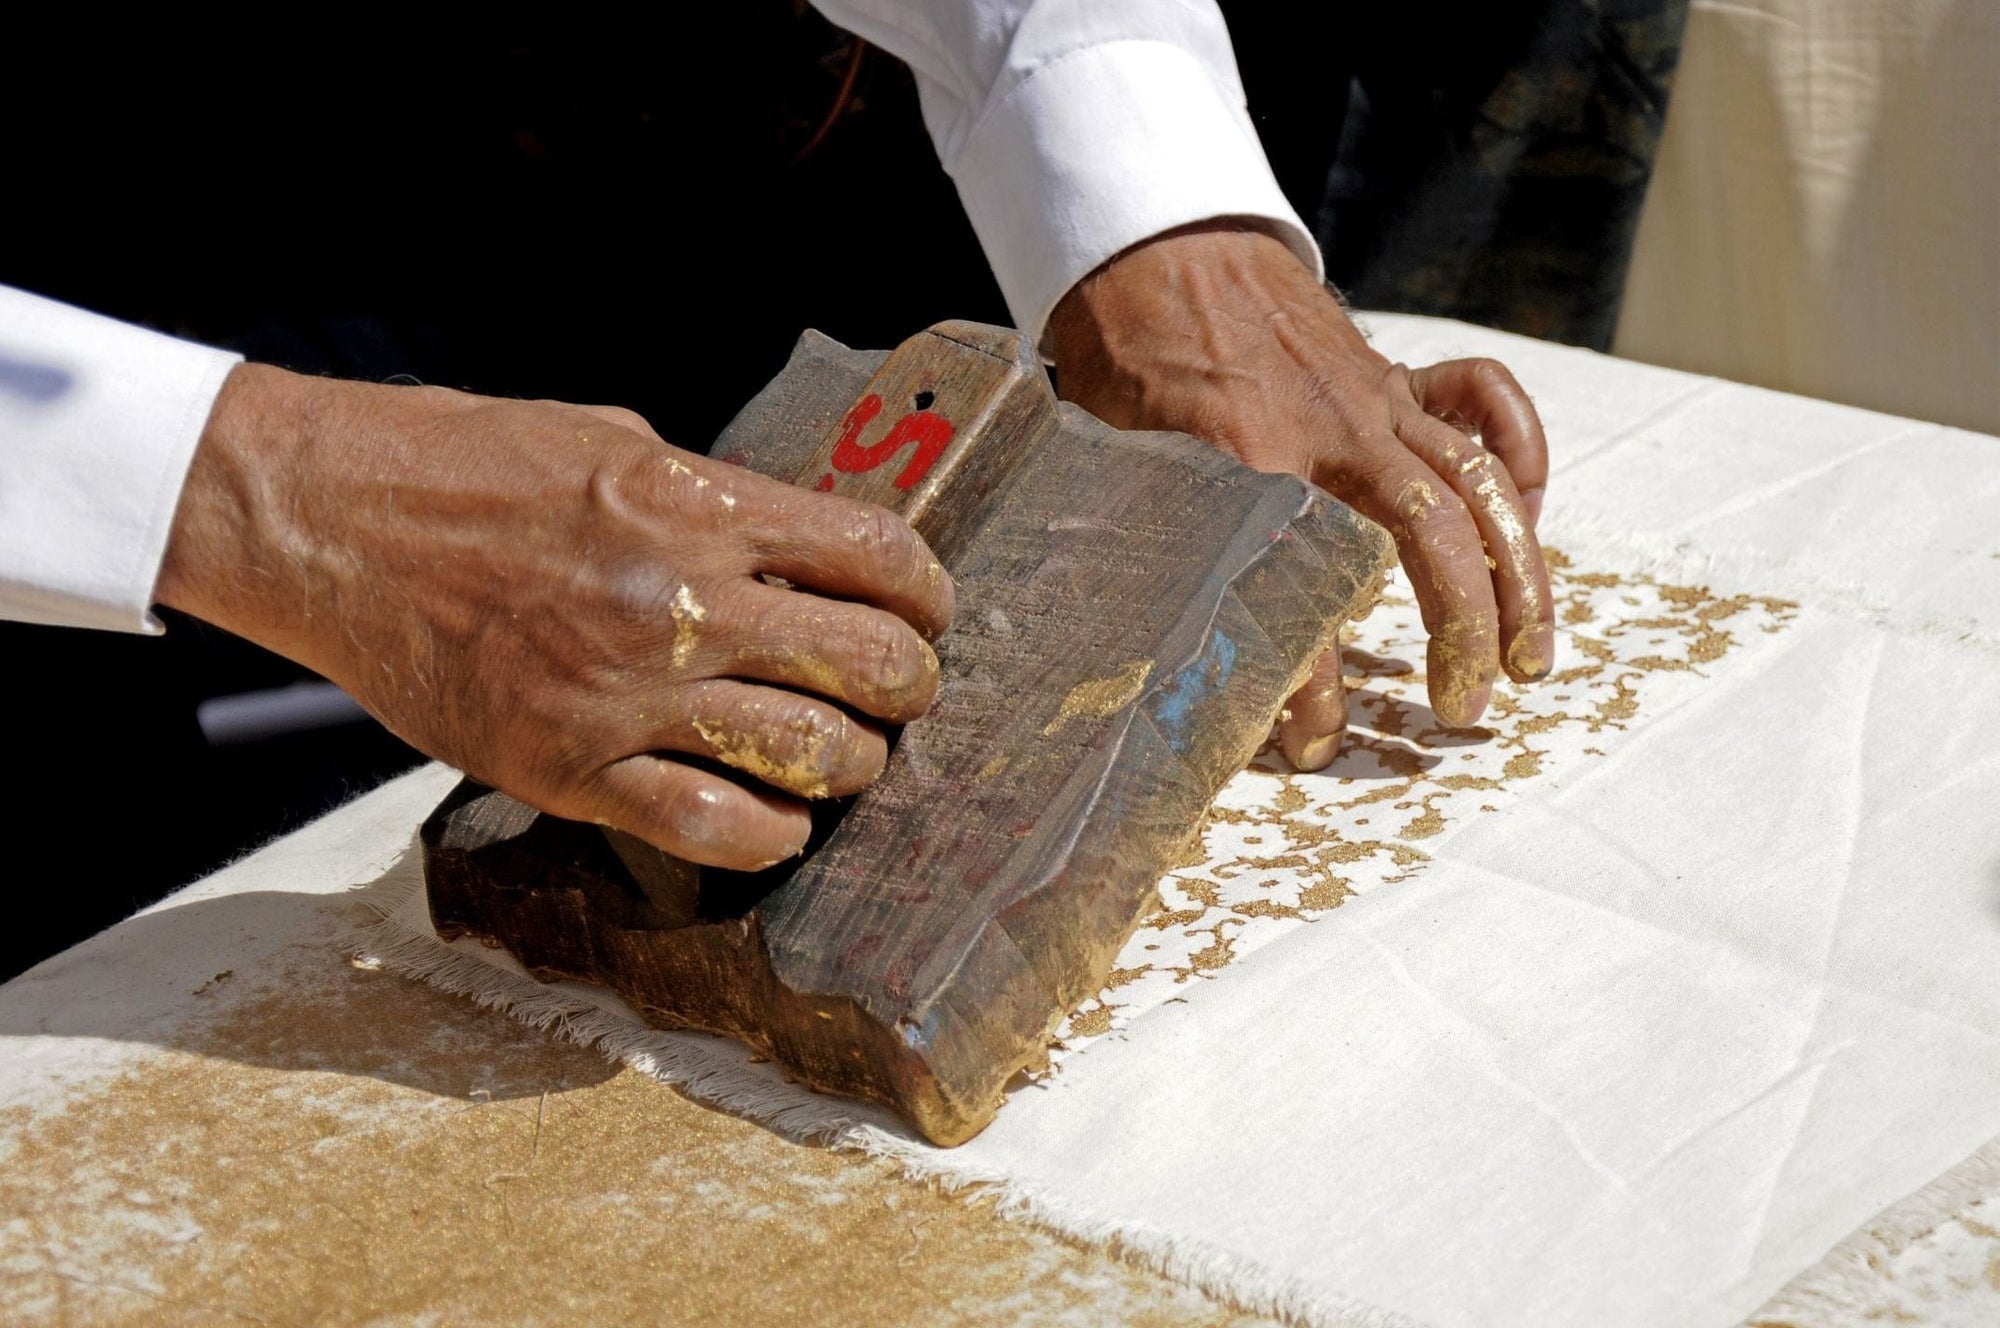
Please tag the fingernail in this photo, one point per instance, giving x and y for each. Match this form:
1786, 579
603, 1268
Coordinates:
1532, 500
1532, 655
1318, 754
949, 609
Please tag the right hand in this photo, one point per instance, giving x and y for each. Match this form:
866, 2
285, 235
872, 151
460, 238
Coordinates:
556, 602
1218, 330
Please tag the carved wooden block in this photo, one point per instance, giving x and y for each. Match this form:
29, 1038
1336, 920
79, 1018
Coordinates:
1133, 609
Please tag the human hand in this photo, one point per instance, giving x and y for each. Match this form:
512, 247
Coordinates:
1220, 332
552, 600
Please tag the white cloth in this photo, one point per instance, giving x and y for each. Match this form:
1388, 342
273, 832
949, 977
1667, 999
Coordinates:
1073, 128
1626, 1014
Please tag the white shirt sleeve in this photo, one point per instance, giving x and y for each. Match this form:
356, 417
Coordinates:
1076, 128
98, 422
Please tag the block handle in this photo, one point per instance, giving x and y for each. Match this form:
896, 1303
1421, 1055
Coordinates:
941, 424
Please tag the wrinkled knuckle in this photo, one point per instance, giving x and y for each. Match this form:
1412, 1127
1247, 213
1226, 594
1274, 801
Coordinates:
890, 663
887, 654
883, 539
821, 730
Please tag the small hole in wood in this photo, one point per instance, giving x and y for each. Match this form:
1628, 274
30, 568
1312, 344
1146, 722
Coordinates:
924, 400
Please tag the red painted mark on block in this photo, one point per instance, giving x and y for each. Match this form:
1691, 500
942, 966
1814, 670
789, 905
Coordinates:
927, 429
825, 484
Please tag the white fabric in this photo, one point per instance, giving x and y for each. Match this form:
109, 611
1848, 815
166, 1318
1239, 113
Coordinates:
1076, 128
98, 421
1073, 128
1631, 1012
1823, 212
1700, 997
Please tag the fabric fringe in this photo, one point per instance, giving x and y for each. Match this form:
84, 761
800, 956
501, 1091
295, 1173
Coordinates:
1847, 1281
717, 1073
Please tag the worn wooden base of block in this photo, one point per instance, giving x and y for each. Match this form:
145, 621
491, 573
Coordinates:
1133, 609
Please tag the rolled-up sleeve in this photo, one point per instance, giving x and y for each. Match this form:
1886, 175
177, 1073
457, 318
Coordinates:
1076, 128
98, 422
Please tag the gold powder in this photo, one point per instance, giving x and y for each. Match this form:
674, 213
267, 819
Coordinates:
355, 1147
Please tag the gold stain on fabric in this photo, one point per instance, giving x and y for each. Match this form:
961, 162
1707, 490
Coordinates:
1280, 850
343, 1145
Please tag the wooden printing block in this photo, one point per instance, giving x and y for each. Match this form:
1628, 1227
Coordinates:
1133, 609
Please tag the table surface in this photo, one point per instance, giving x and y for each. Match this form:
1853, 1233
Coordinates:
212, 1113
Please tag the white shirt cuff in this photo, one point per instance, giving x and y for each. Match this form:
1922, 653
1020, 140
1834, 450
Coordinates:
1099, 149
98, 422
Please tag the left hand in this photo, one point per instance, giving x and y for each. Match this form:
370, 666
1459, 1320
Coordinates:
1221, 332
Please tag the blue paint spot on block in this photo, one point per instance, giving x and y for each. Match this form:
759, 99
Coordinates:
1200, 679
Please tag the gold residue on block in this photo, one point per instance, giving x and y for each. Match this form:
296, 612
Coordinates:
1102, 696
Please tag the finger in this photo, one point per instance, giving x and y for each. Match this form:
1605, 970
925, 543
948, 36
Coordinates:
692, 814
859, 551
1441, 550
854, 653
1485, 395
1313, 721
793, 742
1520, 578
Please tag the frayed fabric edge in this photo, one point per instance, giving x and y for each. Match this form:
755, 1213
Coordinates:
1847, 1280
398, 940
